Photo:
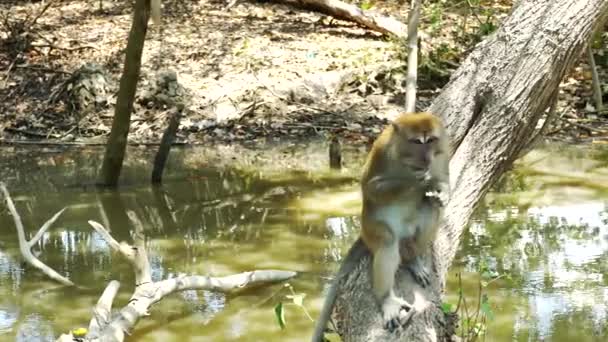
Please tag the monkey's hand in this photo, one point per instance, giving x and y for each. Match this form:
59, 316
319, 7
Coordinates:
438, 194
384, 189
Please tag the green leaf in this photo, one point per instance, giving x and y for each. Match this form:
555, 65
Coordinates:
466, 323
487, 28
365, 5
298, 299
446, 308
485, 308
280, 314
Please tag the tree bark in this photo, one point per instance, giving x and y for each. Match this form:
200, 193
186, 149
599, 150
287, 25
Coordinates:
117, 142
491, 107
165, 146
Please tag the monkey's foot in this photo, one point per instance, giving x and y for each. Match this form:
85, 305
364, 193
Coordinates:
396, 313
420, 273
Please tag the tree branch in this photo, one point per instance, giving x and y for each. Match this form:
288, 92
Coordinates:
491, 107
44, 228
148, 292
25, 247
102, 311
412, 57
595, 80
345, 11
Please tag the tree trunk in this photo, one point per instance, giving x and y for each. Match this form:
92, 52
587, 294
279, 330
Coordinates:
117, 142
491, 107
165, 146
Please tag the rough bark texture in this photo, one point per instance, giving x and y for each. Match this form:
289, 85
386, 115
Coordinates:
491, 107
117, 142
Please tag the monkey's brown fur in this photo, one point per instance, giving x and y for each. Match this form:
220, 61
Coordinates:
406, 168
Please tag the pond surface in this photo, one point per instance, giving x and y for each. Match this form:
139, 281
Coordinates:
545, 230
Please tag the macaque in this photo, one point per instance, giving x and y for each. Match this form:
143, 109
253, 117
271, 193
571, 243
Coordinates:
405, 184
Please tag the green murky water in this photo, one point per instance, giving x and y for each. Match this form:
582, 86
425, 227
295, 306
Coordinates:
545, 230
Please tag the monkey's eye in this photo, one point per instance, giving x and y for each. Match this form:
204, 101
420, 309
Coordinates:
431, 140
415, 141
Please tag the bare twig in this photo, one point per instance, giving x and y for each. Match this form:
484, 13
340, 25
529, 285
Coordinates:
559, 129
595, 81
26, 132
44, 228
53, 46
46, 7
585, 127
230, 4
26, 246
10, 68
549, 119
472, 8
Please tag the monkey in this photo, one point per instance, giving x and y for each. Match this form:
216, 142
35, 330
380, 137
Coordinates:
404, 185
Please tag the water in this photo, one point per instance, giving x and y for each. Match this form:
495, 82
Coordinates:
544, 228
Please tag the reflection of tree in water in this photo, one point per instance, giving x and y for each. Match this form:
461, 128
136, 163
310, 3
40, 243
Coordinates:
558, 265
521, 244
230, 207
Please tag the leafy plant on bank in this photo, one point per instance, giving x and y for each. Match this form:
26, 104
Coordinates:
474, 320
292, 298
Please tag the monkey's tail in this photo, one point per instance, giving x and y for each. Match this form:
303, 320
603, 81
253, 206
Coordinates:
357, 251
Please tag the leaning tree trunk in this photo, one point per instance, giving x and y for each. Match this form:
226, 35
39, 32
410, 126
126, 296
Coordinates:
117, 142
491, 107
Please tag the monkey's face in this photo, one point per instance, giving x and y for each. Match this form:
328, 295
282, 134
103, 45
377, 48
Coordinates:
418, 138
418, 151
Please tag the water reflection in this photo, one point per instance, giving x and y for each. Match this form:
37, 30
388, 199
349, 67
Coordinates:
204, 221
555, 256
8, 318
550, 240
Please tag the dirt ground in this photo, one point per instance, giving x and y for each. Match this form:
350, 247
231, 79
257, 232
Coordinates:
258, 71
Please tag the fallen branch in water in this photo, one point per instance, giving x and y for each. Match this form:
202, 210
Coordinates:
25, 247
112, 328
148, 292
